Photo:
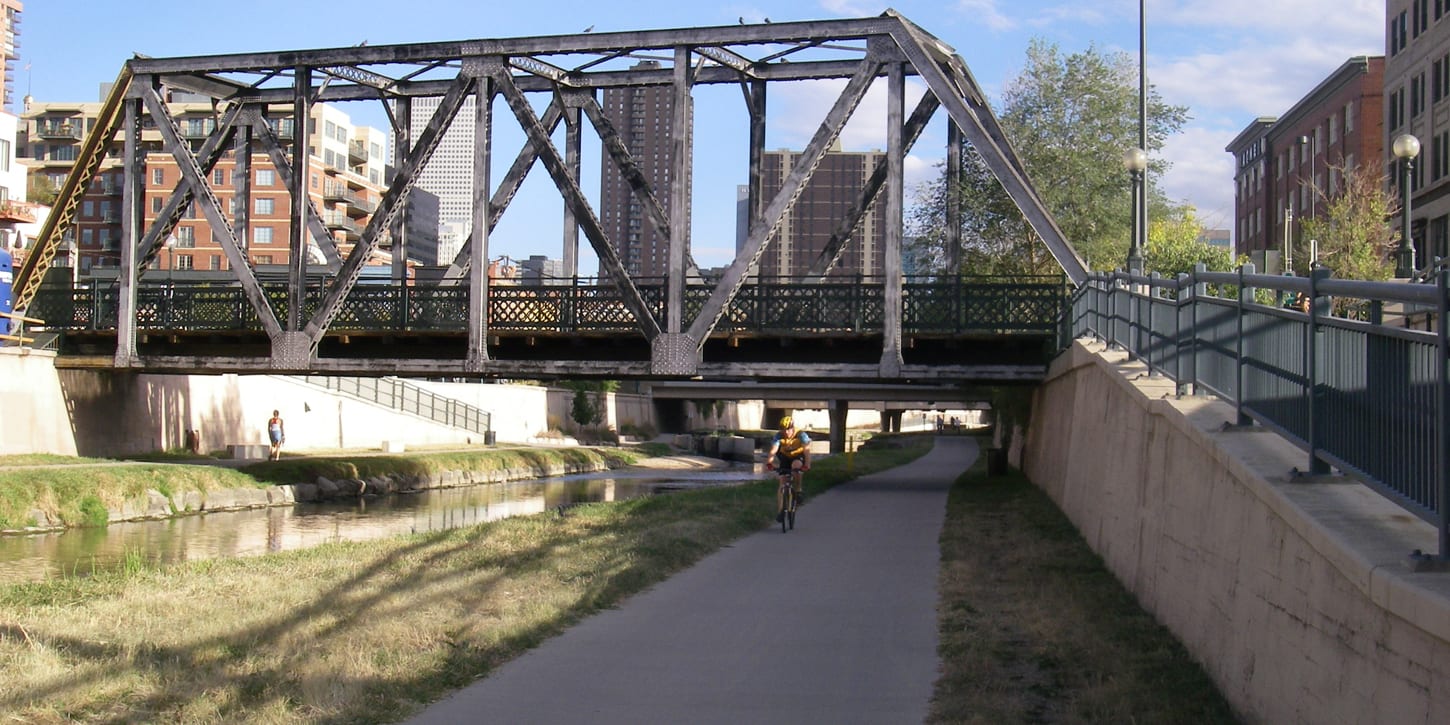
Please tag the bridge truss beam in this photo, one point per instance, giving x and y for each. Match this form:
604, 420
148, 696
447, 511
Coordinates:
569, 70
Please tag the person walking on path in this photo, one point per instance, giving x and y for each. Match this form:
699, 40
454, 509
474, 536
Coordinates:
834, 624
277, 433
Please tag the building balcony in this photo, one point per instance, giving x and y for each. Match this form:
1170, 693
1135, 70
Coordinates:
335, 192
60, 131
16, 213
359, 205
340, 222
357, 152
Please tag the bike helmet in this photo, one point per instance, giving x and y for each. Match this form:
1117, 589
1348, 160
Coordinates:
786, 422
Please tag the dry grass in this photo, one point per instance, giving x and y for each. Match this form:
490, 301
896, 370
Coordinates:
1034, 629
354, 632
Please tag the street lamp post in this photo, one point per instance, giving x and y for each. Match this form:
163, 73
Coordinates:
1406, 148
1135, 160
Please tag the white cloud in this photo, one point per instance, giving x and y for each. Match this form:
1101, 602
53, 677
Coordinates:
852, 8
1346, 20
986, 13
916, 171
800, 108
1260, 81
1202, 173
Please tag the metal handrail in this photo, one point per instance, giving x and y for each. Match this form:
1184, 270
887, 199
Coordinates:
406, 397
1354, 393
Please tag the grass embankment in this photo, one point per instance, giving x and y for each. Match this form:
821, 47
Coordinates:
1034, 629
355, 632
79, 491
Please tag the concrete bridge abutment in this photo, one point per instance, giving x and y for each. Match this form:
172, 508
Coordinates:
1297, 598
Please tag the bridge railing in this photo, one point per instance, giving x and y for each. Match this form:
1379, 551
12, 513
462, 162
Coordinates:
407, 397
997, 305
1332, 365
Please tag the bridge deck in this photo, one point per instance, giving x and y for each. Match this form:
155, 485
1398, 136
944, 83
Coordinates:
983, 330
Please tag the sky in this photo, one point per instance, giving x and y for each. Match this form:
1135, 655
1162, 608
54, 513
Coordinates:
1227, 61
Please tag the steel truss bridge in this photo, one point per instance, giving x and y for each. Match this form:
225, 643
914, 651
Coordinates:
322, 320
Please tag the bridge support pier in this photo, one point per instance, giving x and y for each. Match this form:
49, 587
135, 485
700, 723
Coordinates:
839, 411
891, 420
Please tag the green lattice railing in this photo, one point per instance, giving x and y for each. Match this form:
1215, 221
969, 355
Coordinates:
929, 306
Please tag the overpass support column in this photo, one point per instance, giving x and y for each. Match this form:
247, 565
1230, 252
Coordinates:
839, 411
891, 420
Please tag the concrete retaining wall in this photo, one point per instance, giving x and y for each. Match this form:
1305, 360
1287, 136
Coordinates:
32, 405
1296, 598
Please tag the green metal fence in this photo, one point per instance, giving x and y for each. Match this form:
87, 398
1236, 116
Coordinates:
1353, 392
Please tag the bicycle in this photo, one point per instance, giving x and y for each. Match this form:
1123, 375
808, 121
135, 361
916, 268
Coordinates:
788, 498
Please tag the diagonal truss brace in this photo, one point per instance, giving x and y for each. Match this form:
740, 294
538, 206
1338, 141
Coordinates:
504, 195
842, 234
569, 187
795, 183
392, 204
283, 165
191, 174
613, 143
964, 103
170, 215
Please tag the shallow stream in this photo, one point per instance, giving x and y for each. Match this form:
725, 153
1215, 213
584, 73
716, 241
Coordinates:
258, 531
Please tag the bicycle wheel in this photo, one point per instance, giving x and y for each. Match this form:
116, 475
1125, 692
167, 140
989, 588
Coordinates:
787, 508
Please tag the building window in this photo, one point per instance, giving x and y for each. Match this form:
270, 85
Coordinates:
266, 177
1440, 156
1437, 78
185, 237
185, 261
262, 259
219, 177
262, 206
158, 177
1417, 94
215, 262
261, 235
88, 209
1333, 129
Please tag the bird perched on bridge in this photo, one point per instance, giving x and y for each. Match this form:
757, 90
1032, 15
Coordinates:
589, 29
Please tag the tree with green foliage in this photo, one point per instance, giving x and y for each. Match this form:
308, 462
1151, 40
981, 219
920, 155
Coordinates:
39, 189
1355, 238
1175, 245
583, 411
1070, 117
588, 406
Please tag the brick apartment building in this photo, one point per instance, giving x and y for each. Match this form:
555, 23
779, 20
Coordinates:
347, 166
1417, 101
1287, 166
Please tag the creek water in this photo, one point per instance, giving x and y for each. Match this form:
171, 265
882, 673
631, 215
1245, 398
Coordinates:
83, 551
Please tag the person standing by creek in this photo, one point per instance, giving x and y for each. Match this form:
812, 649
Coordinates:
277, 434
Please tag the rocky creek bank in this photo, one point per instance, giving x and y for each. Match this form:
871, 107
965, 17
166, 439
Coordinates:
154, 505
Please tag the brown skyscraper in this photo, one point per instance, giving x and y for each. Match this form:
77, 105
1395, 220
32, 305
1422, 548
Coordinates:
642, 115
805, 231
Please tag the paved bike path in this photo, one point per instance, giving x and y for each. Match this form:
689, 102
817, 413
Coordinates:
833, 622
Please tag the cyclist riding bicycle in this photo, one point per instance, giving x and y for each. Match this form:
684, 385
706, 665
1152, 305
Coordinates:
790, 454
